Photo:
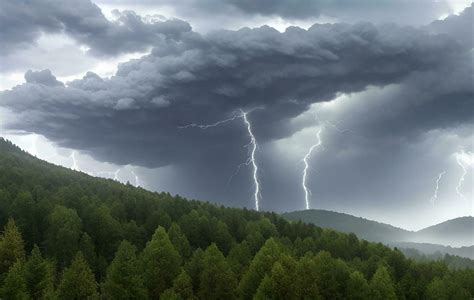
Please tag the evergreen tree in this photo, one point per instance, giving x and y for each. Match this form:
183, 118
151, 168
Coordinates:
63, 234
332, 276
14, 285
216, 281
239, 258
306, 278
260, 266
11, 246
39, 275
123, 280
357, 287
182, 287
179, 240
436, 290
78, 281
280, 284
160, 263
381, 285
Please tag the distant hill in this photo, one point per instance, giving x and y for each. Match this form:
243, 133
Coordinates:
363, 228
456, 232
440, 238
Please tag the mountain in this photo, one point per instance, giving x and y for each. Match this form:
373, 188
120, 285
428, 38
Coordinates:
363, 228
68, 235
441, 238
455, 232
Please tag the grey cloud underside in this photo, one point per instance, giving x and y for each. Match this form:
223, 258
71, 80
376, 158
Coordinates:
133, 117
23, 22
407, 11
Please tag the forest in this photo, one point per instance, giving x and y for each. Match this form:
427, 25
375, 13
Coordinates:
67, 235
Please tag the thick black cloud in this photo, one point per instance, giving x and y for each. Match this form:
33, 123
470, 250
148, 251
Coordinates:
23, 22
134, 116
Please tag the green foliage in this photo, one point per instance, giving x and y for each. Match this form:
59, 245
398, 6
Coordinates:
381, 285
217, 281
124, 280
39, 275
247, 254
160, 263
11, 246
78, 281
14, 285
357, 287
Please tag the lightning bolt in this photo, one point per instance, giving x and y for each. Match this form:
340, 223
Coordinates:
307, 191
253, 144
137, 180
110, 174
435, 195
206, 126
75, 166
462, 158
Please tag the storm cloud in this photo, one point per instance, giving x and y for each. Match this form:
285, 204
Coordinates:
204, 78
396, 87
23, 22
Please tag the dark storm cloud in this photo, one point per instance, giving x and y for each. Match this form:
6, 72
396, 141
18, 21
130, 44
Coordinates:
406, 11
23, 22
134, 116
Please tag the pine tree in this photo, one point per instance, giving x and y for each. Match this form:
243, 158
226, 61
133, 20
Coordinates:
183, 287
123, 280
39, 275
259, 267
14, 285
357, 287
306, 278
179, 240
436, 290
12, 247
280, 284
78, 281
217, 281
381, 285
160, 263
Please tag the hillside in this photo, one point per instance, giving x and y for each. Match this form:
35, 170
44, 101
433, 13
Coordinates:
67, 235
363, 228
456, 233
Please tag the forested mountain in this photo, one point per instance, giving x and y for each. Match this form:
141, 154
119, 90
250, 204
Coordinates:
363, 228
67, 235
458, 232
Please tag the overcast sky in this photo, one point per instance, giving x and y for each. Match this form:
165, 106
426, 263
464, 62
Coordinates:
108, 88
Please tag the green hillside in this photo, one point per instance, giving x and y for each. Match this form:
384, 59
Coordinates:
457, 232
67, 235
363, 228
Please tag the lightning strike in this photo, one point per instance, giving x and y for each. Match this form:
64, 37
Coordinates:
463, 159
253, 144
206, 126
307, 191
435, 195
137, 180
75, 166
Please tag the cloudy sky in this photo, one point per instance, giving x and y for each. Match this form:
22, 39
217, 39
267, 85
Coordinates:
109, 87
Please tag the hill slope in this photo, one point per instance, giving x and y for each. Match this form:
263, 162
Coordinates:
456, 232
363, 228
76, 229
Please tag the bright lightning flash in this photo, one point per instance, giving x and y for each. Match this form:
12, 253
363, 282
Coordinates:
253, 148
307, 192
75, 166
253, 144
464, 160
435, 195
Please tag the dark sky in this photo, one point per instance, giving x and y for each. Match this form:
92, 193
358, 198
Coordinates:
388, 83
